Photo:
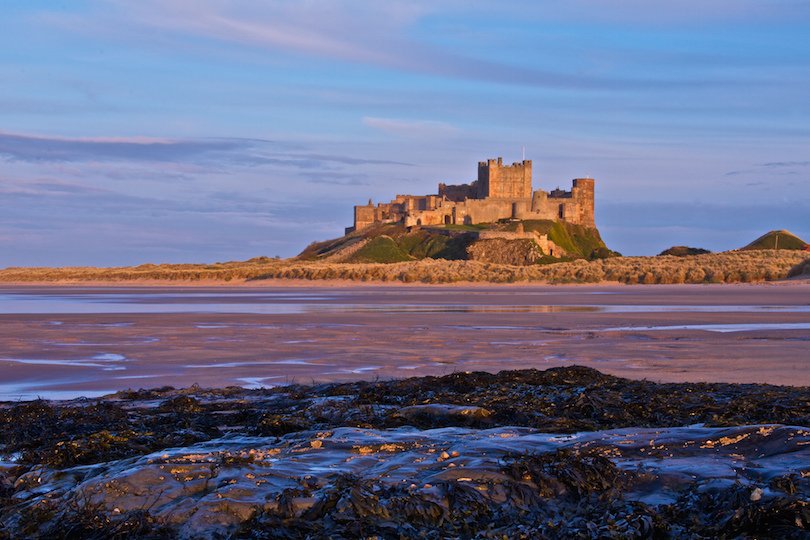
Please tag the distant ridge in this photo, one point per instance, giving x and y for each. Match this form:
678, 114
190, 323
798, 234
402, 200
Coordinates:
780, 239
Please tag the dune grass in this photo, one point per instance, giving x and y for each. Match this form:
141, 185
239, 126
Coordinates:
726, 267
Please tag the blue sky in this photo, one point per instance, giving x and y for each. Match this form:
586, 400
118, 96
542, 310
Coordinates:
210, 130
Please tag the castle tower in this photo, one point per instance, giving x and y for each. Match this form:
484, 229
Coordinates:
504, 182
583, 195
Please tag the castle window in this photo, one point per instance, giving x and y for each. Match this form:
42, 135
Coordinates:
561, 211
447, 220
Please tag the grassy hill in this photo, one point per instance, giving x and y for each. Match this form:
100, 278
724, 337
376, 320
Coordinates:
390, 243
777, 240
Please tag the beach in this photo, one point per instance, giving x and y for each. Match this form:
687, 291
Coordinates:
64, 342
404, 411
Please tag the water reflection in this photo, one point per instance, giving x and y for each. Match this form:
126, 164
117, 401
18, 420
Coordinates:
236, 302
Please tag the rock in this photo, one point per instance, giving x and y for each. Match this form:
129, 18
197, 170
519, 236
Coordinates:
440, 413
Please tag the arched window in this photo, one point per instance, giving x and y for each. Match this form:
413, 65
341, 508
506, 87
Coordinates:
562, 211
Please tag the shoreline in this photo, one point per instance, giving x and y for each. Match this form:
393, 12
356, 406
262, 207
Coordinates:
347, 283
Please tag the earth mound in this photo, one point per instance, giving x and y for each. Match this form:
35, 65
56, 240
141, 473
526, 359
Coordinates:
519, 243
780, 239
684, 251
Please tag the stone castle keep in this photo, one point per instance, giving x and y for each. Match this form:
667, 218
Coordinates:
501, 192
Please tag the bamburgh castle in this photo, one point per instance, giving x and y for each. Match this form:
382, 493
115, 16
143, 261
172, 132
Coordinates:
501, 192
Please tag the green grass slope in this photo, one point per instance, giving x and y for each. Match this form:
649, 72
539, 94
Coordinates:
393, 243
578, 241
382, 249
390, 243
777, 240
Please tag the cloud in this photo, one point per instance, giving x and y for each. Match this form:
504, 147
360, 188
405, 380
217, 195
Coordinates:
222, 152
772, 167
33, 148
410, 128
381, 34
45, 188
338, 178
786, 164
348, 160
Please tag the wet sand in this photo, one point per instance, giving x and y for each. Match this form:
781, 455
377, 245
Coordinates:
61, 342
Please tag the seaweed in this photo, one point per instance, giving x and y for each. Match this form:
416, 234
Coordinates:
562, 494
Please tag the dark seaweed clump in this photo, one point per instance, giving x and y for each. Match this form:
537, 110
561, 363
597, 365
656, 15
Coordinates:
558, 495
558, 400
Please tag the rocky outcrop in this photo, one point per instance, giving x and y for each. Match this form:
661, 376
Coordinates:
518, 252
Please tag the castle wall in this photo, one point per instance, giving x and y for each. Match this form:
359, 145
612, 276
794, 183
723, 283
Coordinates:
459, 192
501, 192
482, 211
575, 206
440, 216
364, 216
504, 182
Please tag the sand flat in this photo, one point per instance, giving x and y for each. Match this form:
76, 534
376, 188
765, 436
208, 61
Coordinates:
68, 341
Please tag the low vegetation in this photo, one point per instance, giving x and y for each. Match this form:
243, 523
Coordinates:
727, 267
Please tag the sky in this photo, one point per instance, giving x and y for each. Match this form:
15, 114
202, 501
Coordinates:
214, 130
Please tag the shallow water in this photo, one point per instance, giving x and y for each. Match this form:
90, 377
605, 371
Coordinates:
65, 342
737, 327
276, 303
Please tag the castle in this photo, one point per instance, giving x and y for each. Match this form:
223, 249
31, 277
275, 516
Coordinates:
501, 192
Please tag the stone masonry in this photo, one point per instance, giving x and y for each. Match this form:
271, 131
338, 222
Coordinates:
500, 192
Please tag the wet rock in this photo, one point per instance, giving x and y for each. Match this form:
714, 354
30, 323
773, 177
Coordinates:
513, 482
440, 414
566, 452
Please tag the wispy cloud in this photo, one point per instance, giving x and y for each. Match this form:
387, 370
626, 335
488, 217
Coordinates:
34, 148
772, 167
357, 31
337, 178
224, 152
411, 128
673, 12
786, 164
